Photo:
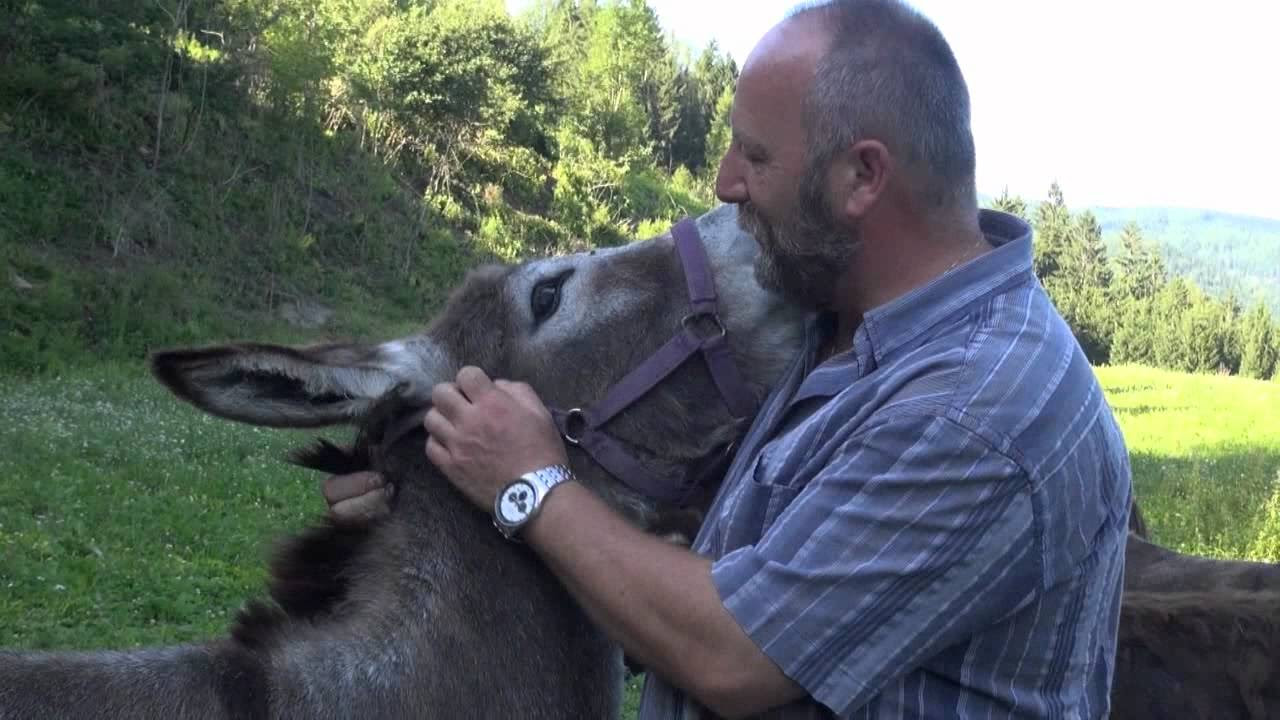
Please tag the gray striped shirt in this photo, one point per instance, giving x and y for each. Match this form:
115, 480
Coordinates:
932, 524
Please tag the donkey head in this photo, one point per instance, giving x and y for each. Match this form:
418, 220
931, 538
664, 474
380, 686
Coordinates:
569, 326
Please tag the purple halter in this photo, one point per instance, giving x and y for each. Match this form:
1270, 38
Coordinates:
583, 427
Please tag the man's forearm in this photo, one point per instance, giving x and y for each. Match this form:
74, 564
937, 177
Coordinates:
657, 600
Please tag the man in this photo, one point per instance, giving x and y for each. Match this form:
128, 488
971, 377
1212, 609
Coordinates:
927, 519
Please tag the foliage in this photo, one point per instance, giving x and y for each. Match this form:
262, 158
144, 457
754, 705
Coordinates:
1080, 280
1011, 204
720, 131
231, 158
1261, 340
1220, 251
1052, 225
1126, 307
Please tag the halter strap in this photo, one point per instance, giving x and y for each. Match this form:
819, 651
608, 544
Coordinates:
703, 303
583, 427
700, 331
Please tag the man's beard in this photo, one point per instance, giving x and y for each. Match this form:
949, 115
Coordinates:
804, 253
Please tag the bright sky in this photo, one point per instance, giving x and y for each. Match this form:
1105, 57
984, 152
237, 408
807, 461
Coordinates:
1124, 102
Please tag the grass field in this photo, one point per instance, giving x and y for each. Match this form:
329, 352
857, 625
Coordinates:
129, 518
1205, 451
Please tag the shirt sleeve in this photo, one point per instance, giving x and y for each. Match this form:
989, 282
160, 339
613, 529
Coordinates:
916, 534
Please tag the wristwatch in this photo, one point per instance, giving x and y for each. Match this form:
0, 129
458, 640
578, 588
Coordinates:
519, 501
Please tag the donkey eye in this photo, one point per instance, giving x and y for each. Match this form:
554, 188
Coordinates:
545, 299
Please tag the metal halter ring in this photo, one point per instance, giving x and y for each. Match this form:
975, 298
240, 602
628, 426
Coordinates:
575, 417
714, 317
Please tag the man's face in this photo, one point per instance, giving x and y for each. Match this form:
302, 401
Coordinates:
778, 187
803, 252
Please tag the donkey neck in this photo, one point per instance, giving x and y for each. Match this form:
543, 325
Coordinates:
441, 613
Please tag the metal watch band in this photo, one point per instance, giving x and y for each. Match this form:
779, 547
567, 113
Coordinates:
543, 481
549, 477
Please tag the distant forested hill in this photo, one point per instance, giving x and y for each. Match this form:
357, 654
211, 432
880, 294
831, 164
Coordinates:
1220, 251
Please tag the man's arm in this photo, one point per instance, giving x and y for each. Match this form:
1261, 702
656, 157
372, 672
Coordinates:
914, 535
658, 601
655, 599
693, 642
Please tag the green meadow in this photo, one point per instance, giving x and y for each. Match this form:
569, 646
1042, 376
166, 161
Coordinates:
129, 518
1205, 452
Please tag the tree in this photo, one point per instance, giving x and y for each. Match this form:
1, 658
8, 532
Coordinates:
721, 132
1168, 308
1203, 335
442, 82
704, 83
1134, 340
1260, 337
1012, 204
1141, 272
1052, 225
1080, 287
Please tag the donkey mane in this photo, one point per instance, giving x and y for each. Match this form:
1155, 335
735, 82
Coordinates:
309, 573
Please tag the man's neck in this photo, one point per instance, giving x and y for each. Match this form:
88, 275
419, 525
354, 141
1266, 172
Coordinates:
897, 256
841, 337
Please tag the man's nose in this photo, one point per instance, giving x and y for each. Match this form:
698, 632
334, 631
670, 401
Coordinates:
731, 187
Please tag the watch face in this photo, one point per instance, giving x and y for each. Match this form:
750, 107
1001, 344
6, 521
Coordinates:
516, 502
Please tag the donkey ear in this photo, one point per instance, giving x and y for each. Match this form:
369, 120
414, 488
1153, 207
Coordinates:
298, 387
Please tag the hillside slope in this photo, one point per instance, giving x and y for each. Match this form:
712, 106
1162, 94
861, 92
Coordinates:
1220, 251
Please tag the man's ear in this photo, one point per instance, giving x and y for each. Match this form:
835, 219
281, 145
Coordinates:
858, 177
298, 387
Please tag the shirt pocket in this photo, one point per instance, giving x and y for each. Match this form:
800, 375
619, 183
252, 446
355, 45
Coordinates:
757, 503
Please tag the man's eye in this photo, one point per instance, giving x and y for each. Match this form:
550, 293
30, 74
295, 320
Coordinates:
545, 299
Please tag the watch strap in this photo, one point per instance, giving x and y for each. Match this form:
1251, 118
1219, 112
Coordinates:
543, 480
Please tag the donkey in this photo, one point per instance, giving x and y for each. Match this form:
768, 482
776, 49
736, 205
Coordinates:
430, 612
1198, 655
1153, 568
1199, 637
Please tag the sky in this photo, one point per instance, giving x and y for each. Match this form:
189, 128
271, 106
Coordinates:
1123, 102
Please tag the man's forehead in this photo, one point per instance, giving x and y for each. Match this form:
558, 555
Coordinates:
792, 48
778, 73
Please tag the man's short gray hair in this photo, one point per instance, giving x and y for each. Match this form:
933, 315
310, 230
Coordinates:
890, 75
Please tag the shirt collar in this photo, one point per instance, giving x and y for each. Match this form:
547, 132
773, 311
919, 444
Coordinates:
903, 319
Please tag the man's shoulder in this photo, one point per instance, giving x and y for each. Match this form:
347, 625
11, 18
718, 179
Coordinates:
1028, 388
990, 364
1018, 372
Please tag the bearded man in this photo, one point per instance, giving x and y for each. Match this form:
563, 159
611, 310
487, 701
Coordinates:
927, 518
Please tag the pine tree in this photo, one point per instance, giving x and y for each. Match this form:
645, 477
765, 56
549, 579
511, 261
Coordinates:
1260, 336
1012, 204
1141, 271
721, 132
1206, 332
1135, 333
1052, 225
1080, 287
1168, 307
703, 84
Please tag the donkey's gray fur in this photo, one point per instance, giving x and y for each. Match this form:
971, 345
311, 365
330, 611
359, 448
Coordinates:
1153, 568
430, 613
1199, 637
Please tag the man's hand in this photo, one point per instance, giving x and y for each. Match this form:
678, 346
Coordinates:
482, 434
359, 498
